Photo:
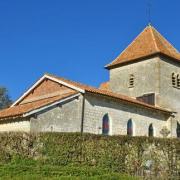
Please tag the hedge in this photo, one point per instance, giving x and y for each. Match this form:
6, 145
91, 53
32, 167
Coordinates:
137, 156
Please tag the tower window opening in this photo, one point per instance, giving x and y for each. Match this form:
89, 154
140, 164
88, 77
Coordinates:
178, 81
173, 80
131, 81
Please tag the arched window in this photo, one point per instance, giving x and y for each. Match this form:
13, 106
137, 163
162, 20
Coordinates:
178, 130
178, 81
173, 80
131, 81
105, 125
151, 130
130, 127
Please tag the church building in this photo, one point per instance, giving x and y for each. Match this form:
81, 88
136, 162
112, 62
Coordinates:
141, 98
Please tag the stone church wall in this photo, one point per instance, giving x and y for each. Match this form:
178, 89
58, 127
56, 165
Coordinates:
119, 112
146, 78
67, 117
169, 96
19, 125
152, 75
62, 118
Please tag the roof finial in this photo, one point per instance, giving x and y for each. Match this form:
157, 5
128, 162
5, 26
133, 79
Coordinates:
149, 6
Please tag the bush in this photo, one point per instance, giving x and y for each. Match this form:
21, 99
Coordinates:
139, 156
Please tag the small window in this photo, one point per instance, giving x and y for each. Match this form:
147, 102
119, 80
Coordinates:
131, 81
51, 128
105, 125
178, 130
151, 131
173, 80
147, 98
178, 81
130, 127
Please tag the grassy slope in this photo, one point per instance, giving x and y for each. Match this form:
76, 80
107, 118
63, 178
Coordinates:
35, 171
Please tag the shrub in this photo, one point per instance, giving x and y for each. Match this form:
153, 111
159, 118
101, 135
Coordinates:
139, 156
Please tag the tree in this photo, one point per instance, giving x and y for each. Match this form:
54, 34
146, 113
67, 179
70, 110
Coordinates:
5, 100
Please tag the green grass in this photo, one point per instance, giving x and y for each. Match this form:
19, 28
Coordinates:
33, 170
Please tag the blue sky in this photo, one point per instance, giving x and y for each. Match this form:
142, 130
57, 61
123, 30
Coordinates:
73, 38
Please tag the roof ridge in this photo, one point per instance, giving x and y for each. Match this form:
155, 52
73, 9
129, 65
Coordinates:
148, 43
70, 81
154, 39
128, 46
166, 41
21, 110
123, 97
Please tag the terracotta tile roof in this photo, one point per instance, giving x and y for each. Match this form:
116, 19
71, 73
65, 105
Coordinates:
149, 42
104, 86
19, 110
110, 94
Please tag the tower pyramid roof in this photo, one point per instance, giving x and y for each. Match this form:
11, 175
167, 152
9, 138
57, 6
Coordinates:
149, 42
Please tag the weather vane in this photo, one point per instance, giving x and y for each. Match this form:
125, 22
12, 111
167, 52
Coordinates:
149, 6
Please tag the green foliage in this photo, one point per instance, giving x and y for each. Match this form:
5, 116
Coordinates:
4, 98
95, 155
28, 171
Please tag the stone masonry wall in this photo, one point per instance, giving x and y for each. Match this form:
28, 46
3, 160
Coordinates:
65, 117
152, 75
146, 78
119, 112
169, 97
19, 125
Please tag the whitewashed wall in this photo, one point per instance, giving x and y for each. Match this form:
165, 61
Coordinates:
15, 126
119, 113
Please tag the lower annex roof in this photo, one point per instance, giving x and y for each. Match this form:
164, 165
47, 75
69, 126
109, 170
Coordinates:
19, 110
